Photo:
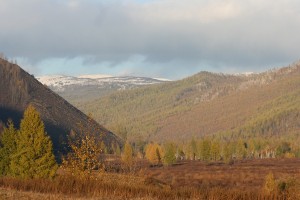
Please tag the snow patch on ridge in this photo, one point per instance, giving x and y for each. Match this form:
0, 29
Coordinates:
60, 82
95, 76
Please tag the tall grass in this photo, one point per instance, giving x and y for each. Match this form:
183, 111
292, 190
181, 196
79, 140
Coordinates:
128, 187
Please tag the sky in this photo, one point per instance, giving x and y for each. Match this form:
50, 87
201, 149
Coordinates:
155, 38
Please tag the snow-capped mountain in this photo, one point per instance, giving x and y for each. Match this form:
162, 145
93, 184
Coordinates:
60, 83
93, 86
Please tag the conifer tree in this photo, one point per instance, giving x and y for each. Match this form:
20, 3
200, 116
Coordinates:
103, 148
194, 151
116, 149
170, 151
241, 151
158, 155
127, 156
205, 150
8, 147
34, 154
215, 150
227, 152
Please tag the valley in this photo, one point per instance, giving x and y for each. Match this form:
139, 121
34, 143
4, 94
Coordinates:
208, 136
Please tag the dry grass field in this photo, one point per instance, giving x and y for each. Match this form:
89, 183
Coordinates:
7, 194
244, 174
186, 180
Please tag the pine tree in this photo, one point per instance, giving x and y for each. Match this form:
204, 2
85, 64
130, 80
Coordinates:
194, 151
227, 152
215, 150
34, 154
158, 155
170, 151
205, 150
103, 148
116, 149
241, 151
8, 147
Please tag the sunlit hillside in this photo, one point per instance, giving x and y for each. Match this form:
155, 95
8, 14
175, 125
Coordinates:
205, 104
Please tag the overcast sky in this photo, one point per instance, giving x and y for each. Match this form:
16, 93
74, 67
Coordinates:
157, 38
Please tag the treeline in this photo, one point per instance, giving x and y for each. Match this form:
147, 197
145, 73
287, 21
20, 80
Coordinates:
28, 152
212, 149
273, 132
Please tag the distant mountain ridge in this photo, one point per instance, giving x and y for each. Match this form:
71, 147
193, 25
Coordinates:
93, 86
18, 89
61, 82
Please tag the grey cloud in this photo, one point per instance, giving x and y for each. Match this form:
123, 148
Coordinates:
183, 34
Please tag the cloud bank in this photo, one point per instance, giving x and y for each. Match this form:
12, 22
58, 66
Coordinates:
169, 38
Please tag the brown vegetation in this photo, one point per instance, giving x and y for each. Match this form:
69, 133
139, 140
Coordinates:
189, 180
243, 174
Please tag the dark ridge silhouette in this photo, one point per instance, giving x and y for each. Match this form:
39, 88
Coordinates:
18, 89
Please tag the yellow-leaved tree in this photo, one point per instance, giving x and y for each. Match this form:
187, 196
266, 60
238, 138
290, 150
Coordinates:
127, 156
86, 151
154, 153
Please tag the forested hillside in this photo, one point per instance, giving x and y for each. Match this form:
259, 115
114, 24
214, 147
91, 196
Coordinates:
205, 104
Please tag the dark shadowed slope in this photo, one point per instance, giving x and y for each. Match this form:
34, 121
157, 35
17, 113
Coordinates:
18, 89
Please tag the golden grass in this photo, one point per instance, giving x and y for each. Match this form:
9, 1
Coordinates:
192, 180
245, 174
7, 194
118, 187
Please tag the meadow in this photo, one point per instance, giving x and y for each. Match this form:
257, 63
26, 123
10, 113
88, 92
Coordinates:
245, 179
242, 174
